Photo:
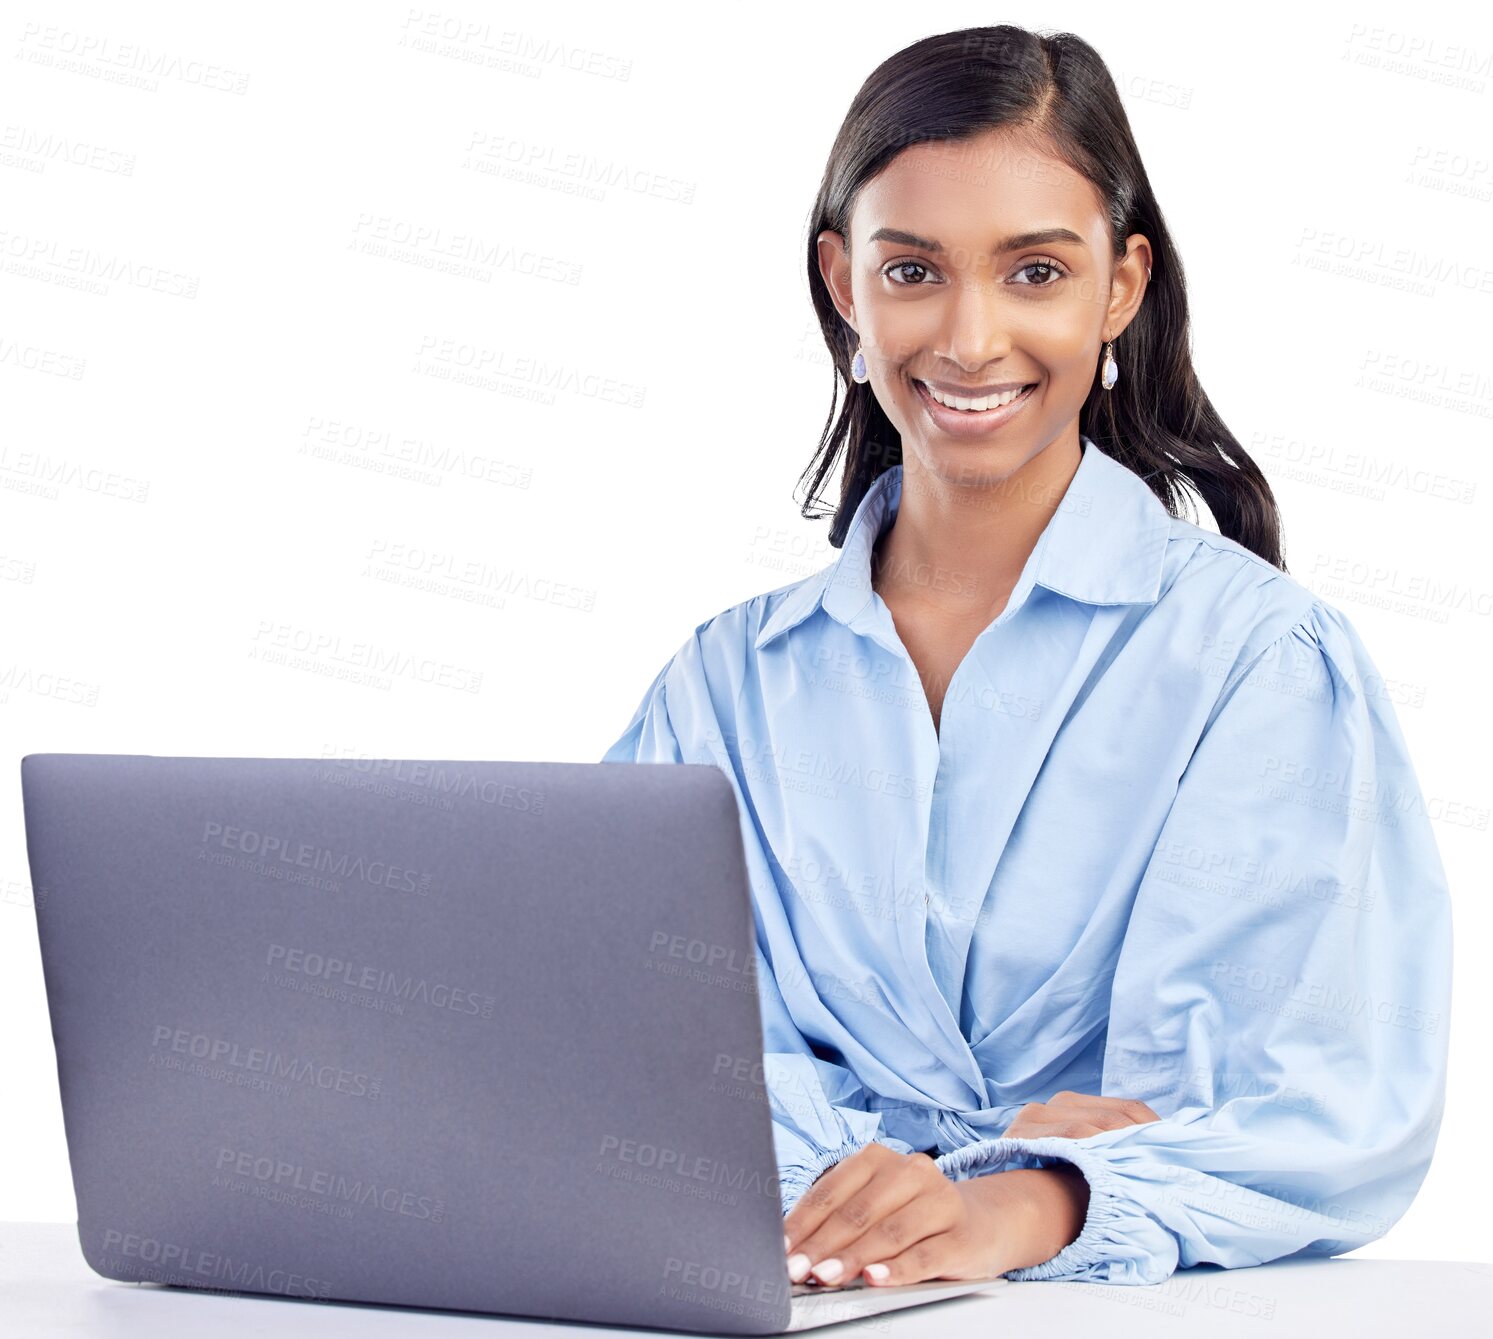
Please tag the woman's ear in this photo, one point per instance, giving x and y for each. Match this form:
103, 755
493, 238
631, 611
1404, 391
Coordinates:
1128, 287
834, 269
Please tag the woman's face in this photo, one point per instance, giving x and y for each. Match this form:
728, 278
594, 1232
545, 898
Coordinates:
976, 266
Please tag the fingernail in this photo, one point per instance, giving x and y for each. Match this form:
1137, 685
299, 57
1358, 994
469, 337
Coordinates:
878, 1273
827, 1271
798, 1267
787, 1242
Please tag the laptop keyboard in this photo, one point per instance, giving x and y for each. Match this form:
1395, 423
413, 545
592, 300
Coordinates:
808, 1289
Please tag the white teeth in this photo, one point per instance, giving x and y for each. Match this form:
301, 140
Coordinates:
987, 402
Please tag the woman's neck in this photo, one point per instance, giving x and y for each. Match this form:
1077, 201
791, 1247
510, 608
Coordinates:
959, 549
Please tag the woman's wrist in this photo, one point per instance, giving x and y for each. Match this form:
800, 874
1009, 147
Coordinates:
1040, 1210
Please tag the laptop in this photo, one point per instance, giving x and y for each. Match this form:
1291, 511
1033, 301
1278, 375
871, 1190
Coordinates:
479, 1036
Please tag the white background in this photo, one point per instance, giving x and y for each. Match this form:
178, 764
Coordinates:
634, 186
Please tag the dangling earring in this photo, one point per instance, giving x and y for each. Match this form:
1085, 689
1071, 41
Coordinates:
858, 370
1111, 372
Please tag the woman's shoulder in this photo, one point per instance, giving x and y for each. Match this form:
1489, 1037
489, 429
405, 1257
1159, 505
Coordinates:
722, 647
1242, 606
737, 627
1250, 607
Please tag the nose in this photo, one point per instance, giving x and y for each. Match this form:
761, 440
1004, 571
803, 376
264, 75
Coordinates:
977, 326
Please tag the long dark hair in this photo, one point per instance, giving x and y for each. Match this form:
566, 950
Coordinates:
1054, 88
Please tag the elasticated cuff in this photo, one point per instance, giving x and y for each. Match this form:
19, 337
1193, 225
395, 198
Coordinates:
793, 1181
1090, 1256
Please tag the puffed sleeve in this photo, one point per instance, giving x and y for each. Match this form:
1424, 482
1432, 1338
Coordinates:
818, 1108
1281, 996
649, 736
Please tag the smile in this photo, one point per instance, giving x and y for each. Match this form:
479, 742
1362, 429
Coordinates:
969, 406
960, 416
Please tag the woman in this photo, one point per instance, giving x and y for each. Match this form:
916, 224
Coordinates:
1100, 925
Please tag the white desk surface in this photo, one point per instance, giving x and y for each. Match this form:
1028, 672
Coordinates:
47, 1289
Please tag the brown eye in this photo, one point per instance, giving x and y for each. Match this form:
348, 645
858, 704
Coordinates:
1048, 267
900, 265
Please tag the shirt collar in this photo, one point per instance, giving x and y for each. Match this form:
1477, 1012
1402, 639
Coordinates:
1105, 544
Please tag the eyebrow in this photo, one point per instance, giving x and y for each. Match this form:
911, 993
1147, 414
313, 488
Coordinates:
1022, 239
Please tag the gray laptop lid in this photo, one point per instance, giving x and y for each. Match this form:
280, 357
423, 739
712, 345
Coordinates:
478, 1035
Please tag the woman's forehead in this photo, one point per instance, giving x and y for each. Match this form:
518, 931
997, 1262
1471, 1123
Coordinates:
973, 208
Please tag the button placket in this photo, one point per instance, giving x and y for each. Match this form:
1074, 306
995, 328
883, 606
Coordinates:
875, 622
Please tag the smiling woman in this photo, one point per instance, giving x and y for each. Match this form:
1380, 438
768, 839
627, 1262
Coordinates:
985, 224
901, 312
1101, 928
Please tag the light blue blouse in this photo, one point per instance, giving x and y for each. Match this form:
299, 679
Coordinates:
1169, 845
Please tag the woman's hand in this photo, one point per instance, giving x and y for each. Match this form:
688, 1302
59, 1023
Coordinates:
901, 1220
898, 1217
1076, 1116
